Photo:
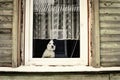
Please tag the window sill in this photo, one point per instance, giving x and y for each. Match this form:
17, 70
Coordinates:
58, 69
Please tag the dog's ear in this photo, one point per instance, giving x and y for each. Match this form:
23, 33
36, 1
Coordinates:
51, 41
54, 41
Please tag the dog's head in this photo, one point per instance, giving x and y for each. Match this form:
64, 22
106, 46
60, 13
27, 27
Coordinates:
51, 46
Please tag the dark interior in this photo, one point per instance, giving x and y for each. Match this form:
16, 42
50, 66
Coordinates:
64, 48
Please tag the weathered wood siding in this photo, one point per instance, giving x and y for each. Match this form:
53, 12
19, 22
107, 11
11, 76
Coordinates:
60, 76
6, 23
53, 76
110, 32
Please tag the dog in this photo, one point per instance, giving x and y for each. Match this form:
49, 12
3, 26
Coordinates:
49, 51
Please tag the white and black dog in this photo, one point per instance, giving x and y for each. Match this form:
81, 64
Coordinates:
49, 51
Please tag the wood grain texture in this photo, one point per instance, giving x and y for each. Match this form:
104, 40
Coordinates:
15, 33
54, 76
110, 5
6, 5
96, 35
6, 0
109, 24
5, 37
109, 10
5, 45
6, 12
110, 38
5, 31
115, 76
110, 32
5, 64
6, 19
6, 23
110, 1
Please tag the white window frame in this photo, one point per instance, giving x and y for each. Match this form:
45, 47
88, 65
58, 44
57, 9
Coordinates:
83, 60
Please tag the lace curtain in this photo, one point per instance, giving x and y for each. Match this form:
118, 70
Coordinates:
56, 19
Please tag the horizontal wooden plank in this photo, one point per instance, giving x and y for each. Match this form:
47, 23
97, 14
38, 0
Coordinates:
110, 4
6, 0
109, 58
53, 76
5, 41
110, 22
5, 64
109, 25
111, 45
110, 49
112, 52
6, 25
117, 1
110, 64
6, 31
109, 53
4, 19
110, 41
5, 36
109, 10
5, 57
109, 38
6, 5
109, 31
5, 44
5, 51
109, 18
115, 76
6, 12
109, 14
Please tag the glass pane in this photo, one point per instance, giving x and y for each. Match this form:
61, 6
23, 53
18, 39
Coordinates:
56, 29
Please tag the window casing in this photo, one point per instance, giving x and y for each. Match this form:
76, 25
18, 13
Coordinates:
29, 33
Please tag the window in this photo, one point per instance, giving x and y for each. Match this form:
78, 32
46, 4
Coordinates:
62, 22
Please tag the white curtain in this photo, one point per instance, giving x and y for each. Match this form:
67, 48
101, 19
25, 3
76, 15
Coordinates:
56, 19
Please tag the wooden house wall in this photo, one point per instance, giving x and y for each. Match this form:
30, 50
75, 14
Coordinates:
109, 24
109, 12
6, 24
60, 76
